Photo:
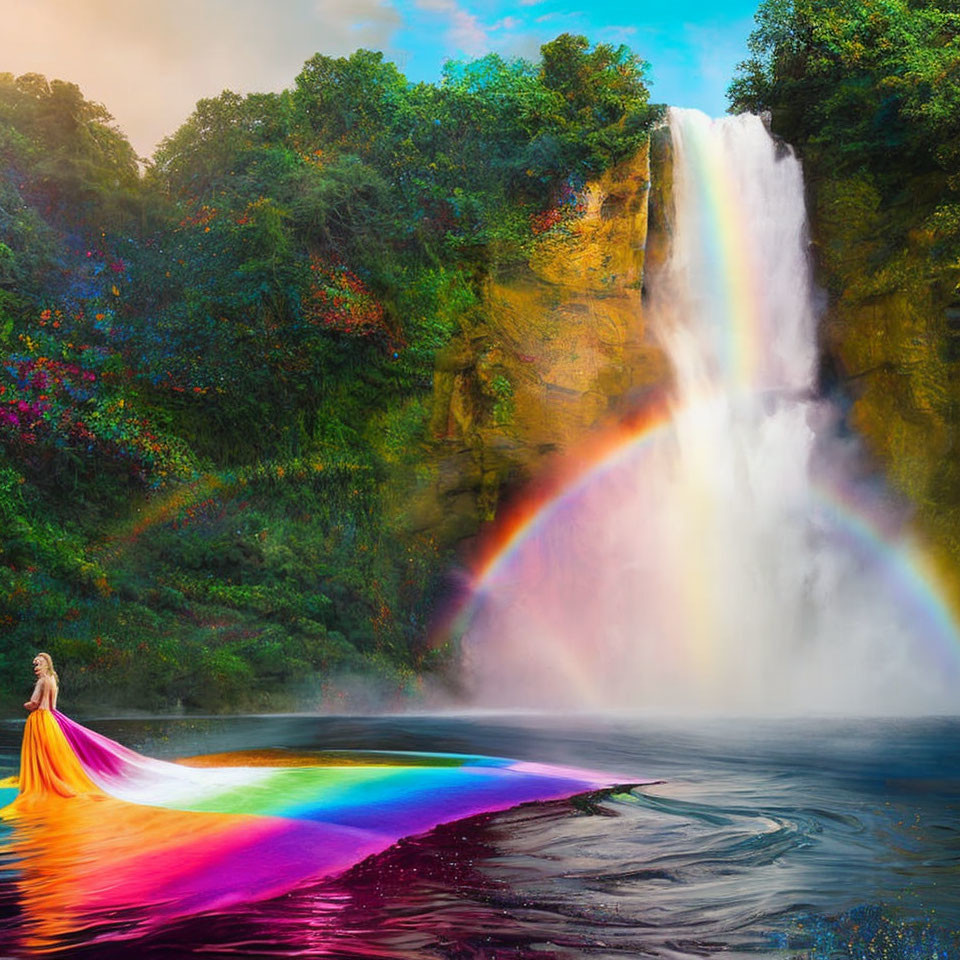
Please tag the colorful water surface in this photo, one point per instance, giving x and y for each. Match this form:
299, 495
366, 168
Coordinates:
106, 843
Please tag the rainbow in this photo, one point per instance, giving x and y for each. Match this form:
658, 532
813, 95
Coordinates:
107, 843
521, 520
907, 568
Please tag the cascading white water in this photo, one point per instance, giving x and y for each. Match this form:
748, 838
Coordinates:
726, 560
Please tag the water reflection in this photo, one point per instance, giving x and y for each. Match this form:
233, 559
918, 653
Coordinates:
787, 839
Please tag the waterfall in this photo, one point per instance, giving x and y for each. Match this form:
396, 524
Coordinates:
733, 556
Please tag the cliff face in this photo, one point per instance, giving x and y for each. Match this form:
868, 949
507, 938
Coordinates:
892, 336
559, 344
556, 346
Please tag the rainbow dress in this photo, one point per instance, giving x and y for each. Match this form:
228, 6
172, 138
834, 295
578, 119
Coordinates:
104, 840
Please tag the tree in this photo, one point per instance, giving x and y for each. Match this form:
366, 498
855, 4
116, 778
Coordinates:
82, 169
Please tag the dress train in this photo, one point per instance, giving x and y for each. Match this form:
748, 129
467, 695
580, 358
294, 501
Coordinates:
113, 843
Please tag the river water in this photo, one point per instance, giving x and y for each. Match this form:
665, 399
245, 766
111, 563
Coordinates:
810, 839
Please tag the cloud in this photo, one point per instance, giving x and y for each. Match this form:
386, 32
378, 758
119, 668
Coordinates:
149, 62
559, 15
465, 32
617, 34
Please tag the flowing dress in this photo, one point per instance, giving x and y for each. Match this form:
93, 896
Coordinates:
110, 842
49, 766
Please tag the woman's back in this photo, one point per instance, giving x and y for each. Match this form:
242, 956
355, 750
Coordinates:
45, 693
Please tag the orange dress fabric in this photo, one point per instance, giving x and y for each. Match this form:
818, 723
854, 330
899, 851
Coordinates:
48, 765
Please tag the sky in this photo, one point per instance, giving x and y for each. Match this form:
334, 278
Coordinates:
149, 61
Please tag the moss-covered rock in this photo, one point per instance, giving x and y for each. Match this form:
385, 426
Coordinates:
892, 332
557, 345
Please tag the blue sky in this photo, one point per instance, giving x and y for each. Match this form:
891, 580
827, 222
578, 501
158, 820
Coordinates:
149, 62
692, 46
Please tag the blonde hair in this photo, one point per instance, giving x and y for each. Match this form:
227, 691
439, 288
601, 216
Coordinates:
48, 666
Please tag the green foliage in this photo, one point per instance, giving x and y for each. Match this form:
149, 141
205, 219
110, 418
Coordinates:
224, 143
216, 376
870, 95
601, 113
502, 390
464, 158
349, 101
79, 167
871, 85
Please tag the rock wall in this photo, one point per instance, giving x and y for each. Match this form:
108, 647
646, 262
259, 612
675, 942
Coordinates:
891, 348
557, 346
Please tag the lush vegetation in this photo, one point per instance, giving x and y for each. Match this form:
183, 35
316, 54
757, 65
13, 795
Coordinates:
869, 92
216, 372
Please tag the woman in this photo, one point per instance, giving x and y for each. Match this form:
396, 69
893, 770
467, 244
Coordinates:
48, 765
142, 841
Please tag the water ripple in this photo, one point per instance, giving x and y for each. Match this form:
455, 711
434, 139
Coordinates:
804, 841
